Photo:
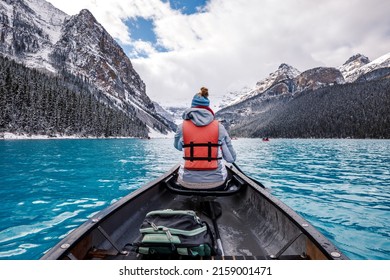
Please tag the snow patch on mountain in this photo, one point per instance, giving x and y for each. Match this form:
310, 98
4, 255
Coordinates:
38, 35
284, 72
288, 79
35, 21
359, 65
233, 97
381, 62
350, 68
176, 113
49, 18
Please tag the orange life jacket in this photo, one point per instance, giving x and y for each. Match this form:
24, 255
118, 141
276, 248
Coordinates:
201, 146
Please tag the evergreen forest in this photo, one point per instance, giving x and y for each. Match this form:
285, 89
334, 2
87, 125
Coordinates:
34, 103
356, 110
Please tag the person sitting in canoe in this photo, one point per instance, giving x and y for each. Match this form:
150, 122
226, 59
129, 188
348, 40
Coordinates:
205, 142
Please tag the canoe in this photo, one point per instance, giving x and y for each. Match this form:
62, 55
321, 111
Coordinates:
251, 224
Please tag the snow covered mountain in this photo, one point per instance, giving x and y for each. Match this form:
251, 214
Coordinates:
309, 104
35, 33
379, 63
278, 88
359, 65
318, 77
283, 73
29, 30
351, 67
234, 97
288, 79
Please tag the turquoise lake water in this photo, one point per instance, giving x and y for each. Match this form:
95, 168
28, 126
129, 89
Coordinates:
49, 187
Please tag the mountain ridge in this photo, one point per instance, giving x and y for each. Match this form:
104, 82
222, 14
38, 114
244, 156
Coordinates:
263, 112
40, 36
354, 67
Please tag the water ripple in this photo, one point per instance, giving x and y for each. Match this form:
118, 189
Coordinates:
51, 187
17, 232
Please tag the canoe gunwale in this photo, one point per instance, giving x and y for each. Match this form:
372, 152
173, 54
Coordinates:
61, 249
327, 247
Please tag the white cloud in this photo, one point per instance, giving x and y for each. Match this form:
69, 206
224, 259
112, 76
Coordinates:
142, 48
234, 43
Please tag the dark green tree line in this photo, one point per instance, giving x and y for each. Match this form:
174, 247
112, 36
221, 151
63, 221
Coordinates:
355, 110
35, 103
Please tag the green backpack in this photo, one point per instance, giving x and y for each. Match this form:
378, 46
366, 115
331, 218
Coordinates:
180, 232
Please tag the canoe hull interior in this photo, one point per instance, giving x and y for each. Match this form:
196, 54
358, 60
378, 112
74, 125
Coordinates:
253, 224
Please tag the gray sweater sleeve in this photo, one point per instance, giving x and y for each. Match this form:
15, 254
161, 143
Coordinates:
178, 141
228, 152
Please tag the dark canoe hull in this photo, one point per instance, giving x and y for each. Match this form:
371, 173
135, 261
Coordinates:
253, 225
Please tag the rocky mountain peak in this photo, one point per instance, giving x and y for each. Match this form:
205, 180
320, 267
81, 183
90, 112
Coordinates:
284, 72
358, 58
377, 69
86, 20
87, 49
319, 77
28, 30
86, 13
284, 66
35, 33
359, 65
351, 67
278, 82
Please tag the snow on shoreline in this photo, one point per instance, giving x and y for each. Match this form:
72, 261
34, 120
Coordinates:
13, 136
156, 134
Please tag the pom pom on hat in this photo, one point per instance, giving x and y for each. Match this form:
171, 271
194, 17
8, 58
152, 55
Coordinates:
201, 98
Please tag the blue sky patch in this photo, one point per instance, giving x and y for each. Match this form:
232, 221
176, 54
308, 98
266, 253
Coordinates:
187, 7
142, 29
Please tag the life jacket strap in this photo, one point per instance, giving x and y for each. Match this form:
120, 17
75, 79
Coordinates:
209, 145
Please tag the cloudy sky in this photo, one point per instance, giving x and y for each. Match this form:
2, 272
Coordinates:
178, 46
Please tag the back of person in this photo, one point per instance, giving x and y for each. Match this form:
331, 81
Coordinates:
205, 143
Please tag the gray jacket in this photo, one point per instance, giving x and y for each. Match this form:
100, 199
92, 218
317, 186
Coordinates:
202, 117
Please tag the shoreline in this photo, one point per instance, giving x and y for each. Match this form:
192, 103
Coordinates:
14, 136
153, 135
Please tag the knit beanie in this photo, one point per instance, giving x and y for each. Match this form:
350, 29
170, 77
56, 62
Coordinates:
199, 100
